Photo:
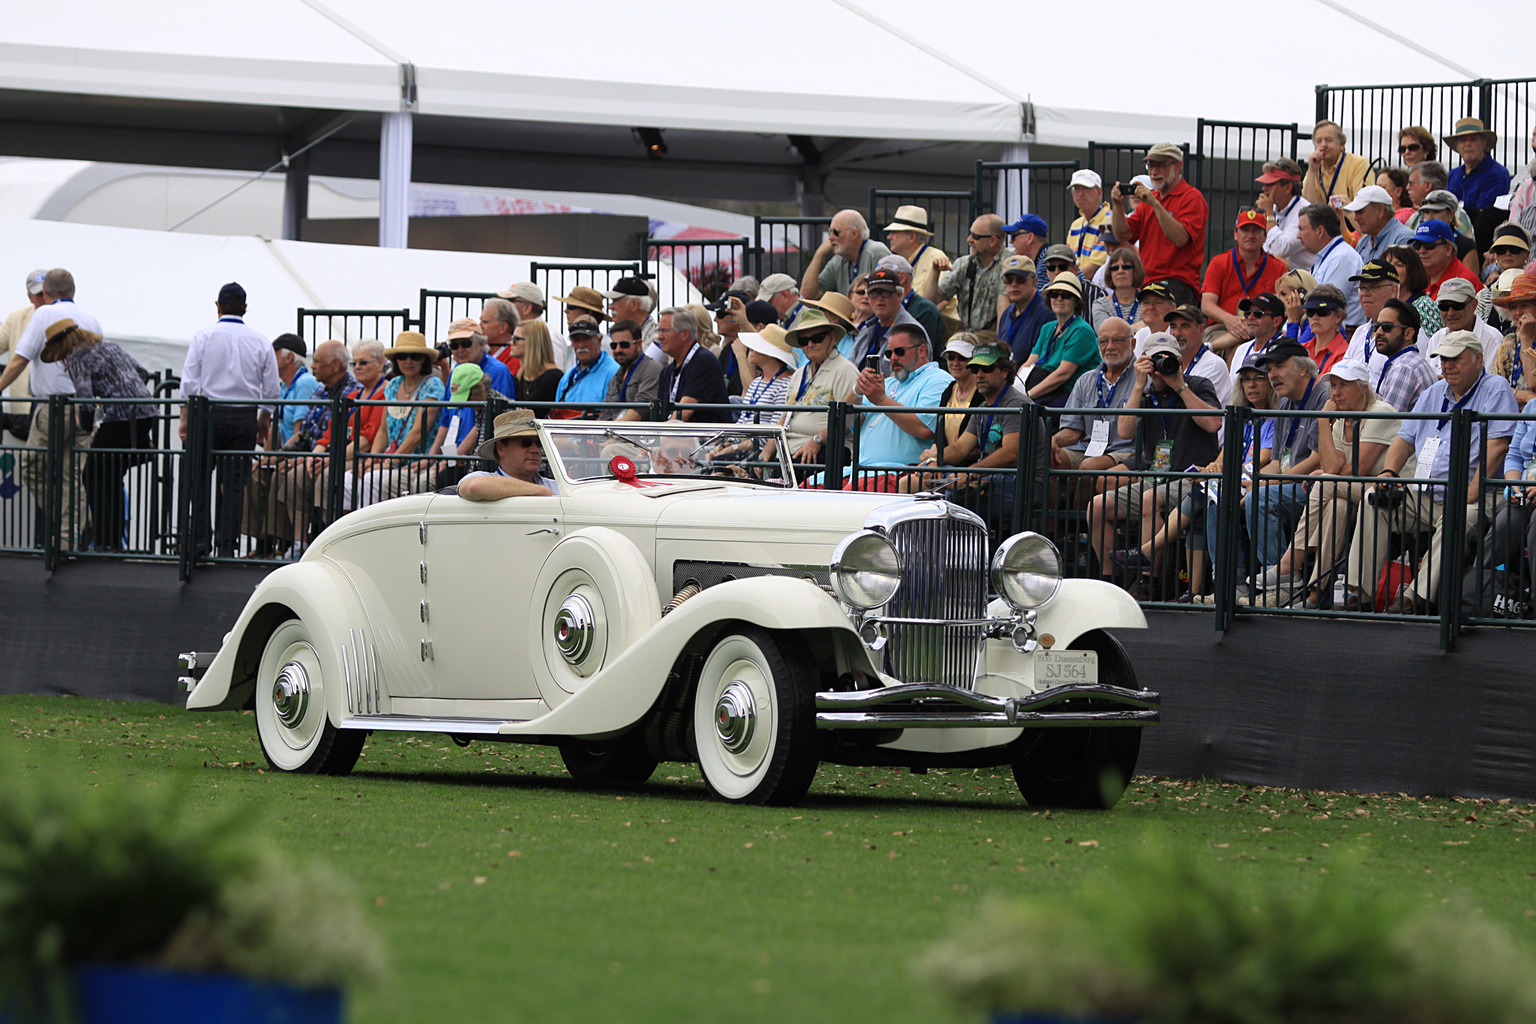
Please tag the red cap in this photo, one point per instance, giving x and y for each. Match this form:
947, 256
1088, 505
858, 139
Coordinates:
1275, 174
1252, 217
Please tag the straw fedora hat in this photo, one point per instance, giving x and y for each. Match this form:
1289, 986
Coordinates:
810, 320
589, 299
516, 423
411, 343
770, 342
1066, 283
910, 218
836, 303
1469, 127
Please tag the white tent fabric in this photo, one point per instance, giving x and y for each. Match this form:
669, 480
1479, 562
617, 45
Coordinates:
152, 290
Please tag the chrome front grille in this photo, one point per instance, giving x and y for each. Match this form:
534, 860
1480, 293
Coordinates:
944, 576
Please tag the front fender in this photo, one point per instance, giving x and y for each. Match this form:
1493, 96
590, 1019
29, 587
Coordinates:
1080, 606
316, 593
621, 693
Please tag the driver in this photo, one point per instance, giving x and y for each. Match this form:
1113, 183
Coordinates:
519, 456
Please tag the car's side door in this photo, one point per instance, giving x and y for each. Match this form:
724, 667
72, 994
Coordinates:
482, 559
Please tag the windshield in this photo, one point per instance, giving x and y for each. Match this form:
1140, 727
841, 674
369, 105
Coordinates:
587, 450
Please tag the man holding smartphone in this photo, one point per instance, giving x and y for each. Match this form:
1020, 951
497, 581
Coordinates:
898, 438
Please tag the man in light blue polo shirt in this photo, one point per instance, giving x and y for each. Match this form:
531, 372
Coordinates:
1319, 229
591, 368
898, 439
1427, 442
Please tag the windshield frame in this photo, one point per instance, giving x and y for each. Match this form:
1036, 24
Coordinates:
641, 432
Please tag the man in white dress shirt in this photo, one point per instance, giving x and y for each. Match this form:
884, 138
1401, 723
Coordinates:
1281, 202
234, 366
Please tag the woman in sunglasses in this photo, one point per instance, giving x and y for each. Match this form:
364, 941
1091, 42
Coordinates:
409, 429
1124, 274
1415, 279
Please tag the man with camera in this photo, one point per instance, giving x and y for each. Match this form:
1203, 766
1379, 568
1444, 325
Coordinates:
975, 279
1427, 442
1170, 445
1169, 223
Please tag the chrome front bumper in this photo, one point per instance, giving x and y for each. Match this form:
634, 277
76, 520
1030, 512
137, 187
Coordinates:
934, 705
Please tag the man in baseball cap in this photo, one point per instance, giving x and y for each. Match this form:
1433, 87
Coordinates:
1029, 237
1240, 273
1019, 326
1281, 203
634, 299
1084, 236
17, 417
1435, 242
1169, 223
1375, 215
784, 294
1457, 302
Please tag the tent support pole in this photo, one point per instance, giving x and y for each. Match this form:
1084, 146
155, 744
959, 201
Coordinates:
295, 197
1013, 185
395, 179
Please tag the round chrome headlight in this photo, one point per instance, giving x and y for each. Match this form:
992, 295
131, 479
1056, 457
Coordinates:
866, 570
1026, 570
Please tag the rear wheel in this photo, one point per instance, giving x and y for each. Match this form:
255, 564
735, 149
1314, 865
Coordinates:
754, 718
1086, 767
618, 762
295, 732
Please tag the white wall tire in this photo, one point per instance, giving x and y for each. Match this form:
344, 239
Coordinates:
292, 724
754, 720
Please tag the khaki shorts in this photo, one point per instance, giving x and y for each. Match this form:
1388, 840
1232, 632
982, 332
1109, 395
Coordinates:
1171, 492
1076, 456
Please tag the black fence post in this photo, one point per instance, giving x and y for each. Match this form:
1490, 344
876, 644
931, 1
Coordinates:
1322, 102
194, 484
342, 426
1453, 524
1229, 514
1484, 101
832, 452
1031, 422
53, 466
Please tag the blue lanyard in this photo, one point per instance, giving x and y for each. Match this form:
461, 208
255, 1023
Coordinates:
1387, 365
919, 255
581, 371
624, 384
1050, 343
1336, 172
1248, 442
1119, 312
805, 381
1290, 435
1113, 390
1245, 284
986, 429
1445, 403
677, 379
853, 267
1157, 400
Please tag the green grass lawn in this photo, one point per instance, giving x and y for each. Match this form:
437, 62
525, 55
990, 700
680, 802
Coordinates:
507, 893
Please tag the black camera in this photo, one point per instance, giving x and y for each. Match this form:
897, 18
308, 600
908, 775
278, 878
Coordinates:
1165, 364
1387, 496
872, 361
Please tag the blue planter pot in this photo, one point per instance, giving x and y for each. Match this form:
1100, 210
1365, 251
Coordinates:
134, 995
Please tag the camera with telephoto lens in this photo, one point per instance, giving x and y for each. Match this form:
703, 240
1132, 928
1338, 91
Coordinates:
1166, 364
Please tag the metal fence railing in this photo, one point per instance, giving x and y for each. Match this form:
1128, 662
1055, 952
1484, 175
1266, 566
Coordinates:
709, 265
949, 214
349, 325
1197, 537
558, 279
1011, 190
785, 245
1229, 155
438, 309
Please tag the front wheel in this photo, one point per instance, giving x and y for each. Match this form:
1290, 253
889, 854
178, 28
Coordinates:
754, 718
291, 721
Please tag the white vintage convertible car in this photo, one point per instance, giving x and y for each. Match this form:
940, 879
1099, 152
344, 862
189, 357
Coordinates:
675, 601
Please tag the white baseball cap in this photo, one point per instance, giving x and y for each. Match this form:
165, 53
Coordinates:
1368, 195
1086, 178
1349, 369
962, 348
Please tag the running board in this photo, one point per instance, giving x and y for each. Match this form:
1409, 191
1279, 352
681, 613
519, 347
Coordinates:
417, 723
932, 706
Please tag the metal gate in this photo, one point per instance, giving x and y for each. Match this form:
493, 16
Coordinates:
439, 309
556, 279
949, 213
350, 325
1011, 190
708, 265
785, 245
1229, 155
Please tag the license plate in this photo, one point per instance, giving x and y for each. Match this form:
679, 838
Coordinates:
1055, 668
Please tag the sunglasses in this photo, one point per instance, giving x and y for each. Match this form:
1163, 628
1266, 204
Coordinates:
1507, 250
1058, 266
364, 362
1448, 305
524, 442
1419, 246
858, 291
993, 368
834, 232
626, 345
1255, 314
1411, 148
458, 343
1385, 326
815, 339
900, 353
1120, 266
973, 234
954, 357
415, 356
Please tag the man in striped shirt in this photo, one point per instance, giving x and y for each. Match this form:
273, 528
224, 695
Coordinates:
1084, 236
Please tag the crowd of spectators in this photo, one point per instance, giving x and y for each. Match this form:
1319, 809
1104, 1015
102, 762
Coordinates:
1347, 289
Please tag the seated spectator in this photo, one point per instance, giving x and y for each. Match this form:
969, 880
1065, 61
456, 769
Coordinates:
1064, 350
1415, 144
1509, 547
1399, 371
897, 438
1030, 236
990, 440
266, 508
1457, 300
632, 299
637, 378
1169, 224
772, 361
1292, 289
1336, 262
1091, 442
1060, 259
1325, 315
297, 384
975, 279
847, 252
781, 292
826, 376
362, 426
408, 428
1480, 179
910, 236
1025, 312
123, 431
1522, 195
1375, 284
538, 377
1093, 215
858, 294
1254, 391
582, 301
1187, 325
1330, 170
961, 394
1441, 205
919, 308
694, 376
1429, 179
1264, 317
528, 299
1516, 360
746, 284
1414, 289
1394, 182
1465, 385
593, 369
1324, 527
1375, 215
1511, 250
885, 298
1281, 203
518, 452
498, 320
468, 348
458, 432
1157, 303
1124, 277
1166, 442
1242, 272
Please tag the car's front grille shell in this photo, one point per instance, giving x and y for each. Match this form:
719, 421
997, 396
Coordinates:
944, 576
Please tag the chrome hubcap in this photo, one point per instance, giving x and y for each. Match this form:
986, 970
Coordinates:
290, 695
575, 626
735, 716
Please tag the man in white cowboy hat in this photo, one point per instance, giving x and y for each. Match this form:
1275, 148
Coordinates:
1480, 179
1087, 190
518, 452
847, 252
910, 236
528, 298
